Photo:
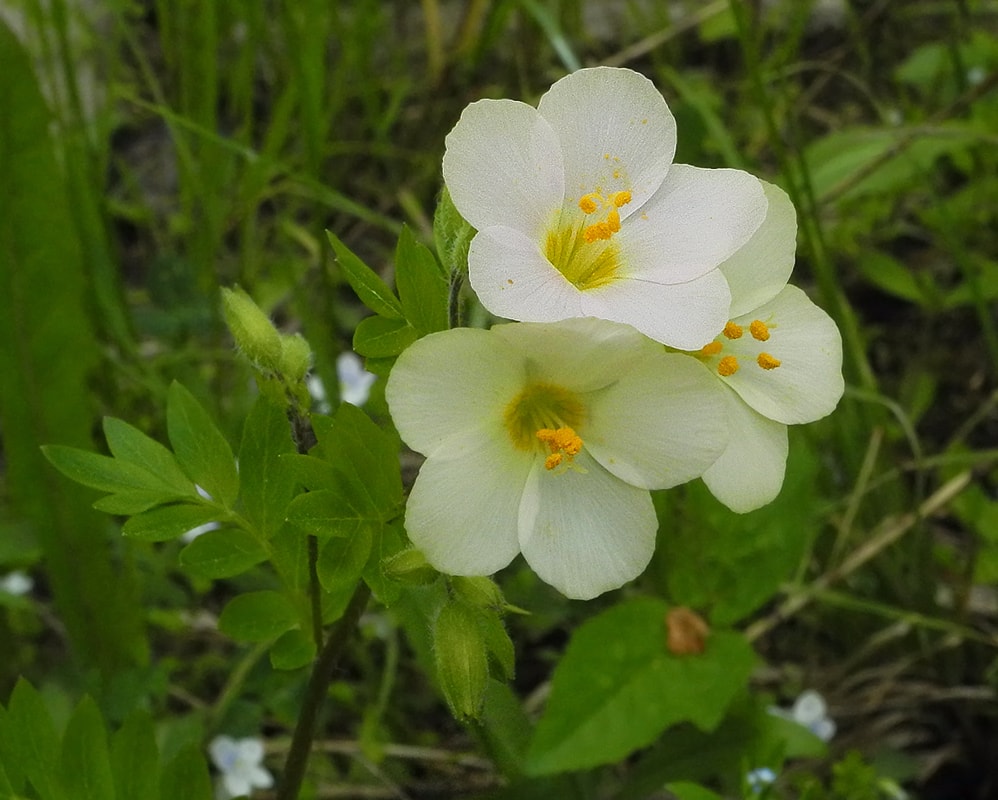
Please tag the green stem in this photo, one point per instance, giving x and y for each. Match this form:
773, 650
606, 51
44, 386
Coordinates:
315, 590
315, 693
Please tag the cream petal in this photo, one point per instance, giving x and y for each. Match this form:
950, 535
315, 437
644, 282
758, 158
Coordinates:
696, 220
663, 423
750, 471
462, 512
684, 315
448, 384
616, 133
581, 355
761, 268
585, 533
808, 383
503, 166
513, 278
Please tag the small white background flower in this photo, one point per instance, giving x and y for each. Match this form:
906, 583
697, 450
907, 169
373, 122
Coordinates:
809, 711
17, 583
239, 762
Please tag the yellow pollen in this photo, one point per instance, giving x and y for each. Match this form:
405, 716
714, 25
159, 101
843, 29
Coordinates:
594, 233
621, 198
759, 330
543, 418
727, 366
733, 330
711, 349
766, 361
588, 203
562, 442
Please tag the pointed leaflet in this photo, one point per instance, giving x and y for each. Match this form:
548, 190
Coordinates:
202, 451
108, 474
422, 285
381, 337
86, 764
257, 616
372, 291
634, 688
31, 741
268, 482
135, 759
222, 553
129, 444
168, 522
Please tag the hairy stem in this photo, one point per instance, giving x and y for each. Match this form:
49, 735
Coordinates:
318, 685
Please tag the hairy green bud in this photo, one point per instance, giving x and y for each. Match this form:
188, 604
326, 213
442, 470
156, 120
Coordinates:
255, 335
296, 357
410, 567
478, 591
461, 658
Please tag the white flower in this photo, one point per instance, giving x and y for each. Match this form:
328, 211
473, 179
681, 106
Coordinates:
580, 211
809, 711
16, 583
545, 439
780, 357
239, 762
355, 381
758, 779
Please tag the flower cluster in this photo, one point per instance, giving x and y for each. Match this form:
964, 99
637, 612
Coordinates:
655, 339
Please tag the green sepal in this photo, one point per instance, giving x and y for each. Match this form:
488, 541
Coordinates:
452, 235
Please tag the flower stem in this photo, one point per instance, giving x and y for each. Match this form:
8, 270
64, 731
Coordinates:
315, 693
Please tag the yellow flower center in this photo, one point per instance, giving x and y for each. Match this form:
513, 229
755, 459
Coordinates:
581, 249
543, 418
727, 364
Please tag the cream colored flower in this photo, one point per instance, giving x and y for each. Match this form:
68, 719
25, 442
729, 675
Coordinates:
580, 211
780, 357
544, 439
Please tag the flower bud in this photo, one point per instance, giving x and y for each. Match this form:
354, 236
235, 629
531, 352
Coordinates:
296, 357
478, 591
253, 331
410, 567
461, 659
452, 235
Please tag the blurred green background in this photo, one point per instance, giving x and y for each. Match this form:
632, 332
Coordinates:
151, 152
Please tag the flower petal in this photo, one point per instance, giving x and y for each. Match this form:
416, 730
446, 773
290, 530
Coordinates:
759, 269
236, 784
616, 133
581, 355
683, 315
223, 751
697, 219
808, 383
514, 279
503, 166
261, 778
585, 533
462, 511
661, 424
446, 384
750, 471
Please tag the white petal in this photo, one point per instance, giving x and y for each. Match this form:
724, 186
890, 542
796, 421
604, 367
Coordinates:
514, 279
503, 166
809, 708
261, 778
697, 219
581, 355
750, 471
236, 784
824, 729
684, 315
761, 268
661, 424
585, 533
446, 384
808, 383
251, 750
223, 751
616, 133
462, 511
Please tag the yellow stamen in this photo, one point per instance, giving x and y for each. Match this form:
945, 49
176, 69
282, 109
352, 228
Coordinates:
562, 442
727, 366
733, 330
759, 330
766, 361
588, 203
621, 198
543, 413
711, 349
